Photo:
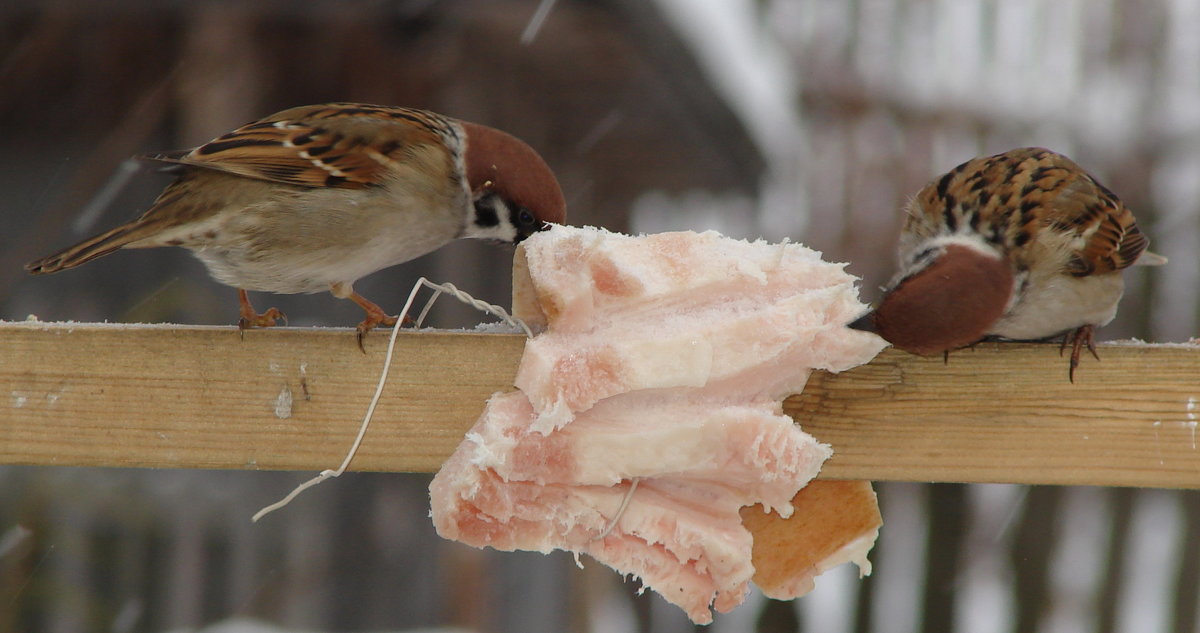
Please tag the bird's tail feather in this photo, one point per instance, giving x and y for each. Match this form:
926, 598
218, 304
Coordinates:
93, 247
1150, 259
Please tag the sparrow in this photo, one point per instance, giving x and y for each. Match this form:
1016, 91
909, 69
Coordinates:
1022, 245
315, 197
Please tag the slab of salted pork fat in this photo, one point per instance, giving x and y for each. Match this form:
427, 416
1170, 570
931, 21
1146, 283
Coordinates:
648, 415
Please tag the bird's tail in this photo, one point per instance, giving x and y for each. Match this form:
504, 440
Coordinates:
1150, 259
93, 247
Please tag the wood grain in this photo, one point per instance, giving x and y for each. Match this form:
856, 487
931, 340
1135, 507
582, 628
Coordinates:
292, 399
204, 397
1006, 413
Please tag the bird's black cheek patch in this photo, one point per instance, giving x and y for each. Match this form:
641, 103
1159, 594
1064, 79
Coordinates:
485, 216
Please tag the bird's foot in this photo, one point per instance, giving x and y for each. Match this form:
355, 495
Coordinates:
375, 317
370, 323
266, 319
249, 317
971, 347
1079, 337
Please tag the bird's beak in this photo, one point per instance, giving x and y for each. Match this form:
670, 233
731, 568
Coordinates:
864, 323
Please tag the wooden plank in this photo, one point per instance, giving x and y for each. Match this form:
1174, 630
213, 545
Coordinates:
203, 397
1005, 412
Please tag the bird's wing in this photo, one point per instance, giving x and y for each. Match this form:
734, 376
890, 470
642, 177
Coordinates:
1108, 236
1011, 198
339, 145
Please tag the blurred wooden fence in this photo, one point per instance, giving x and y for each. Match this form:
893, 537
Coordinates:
888, 94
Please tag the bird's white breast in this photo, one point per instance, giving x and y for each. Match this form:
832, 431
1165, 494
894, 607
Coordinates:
1054, 303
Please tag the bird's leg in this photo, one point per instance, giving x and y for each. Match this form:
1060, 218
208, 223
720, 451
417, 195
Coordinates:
251, 318
946, 352
375, 314
1083, 335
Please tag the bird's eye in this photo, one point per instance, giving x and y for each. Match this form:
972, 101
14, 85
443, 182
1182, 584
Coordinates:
525, 217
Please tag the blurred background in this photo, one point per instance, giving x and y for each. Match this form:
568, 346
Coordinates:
814, 120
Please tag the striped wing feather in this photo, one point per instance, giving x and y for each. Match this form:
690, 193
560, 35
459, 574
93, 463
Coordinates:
1010, 197
1111, 239
333, 145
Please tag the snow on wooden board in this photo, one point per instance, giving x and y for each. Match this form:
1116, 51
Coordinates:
1005, 412
185, 396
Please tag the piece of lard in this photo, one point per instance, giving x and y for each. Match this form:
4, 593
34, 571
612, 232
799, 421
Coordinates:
662, 360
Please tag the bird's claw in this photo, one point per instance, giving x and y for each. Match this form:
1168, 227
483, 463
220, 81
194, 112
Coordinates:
253, 319
1080, 337
371, 322
266, 319
249, 317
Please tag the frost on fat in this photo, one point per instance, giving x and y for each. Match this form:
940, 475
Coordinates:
510, 487
674, 309
682, 538
664, 359
583, 278
753, 446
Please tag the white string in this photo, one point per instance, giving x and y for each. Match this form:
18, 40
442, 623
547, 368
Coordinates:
482, 306
633, 484
387, 364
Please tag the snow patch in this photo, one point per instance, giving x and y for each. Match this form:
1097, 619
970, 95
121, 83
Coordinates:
283, 403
